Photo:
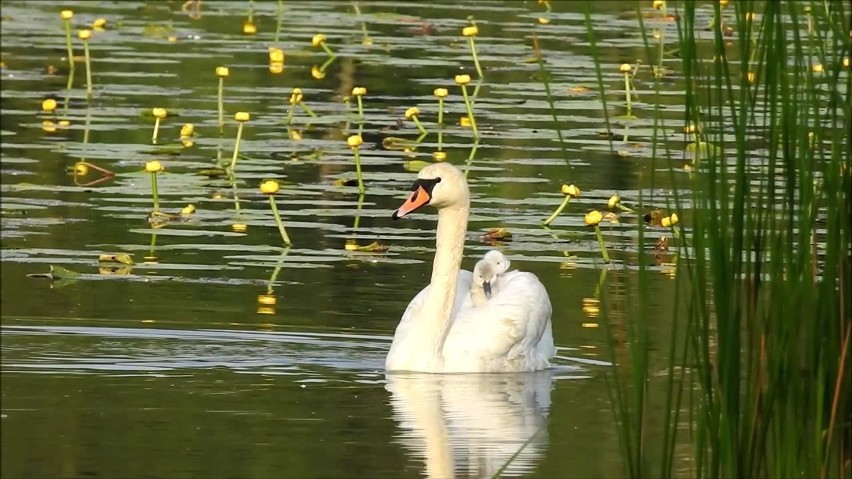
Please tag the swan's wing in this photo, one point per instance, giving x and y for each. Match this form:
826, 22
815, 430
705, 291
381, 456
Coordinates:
504, 333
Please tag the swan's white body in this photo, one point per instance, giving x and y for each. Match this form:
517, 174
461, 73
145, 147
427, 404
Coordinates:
486, 276
441, 331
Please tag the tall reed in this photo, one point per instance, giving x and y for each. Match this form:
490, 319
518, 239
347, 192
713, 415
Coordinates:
762, 323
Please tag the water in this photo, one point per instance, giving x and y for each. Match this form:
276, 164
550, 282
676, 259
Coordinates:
183, 365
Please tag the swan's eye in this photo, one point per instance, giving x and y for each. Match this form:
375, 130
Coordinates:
438, 179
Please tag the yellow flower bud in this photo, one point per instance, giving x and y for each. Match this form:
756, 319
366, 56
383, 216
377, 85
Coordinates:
689, 128
462, 79
296, 96
239, 227
81, 169
48, 105
751, 77
441, 92
153, 166
187, 129
84, 34
187, 210
186, 142
317, 73
318, 39
543, 20
266, 299
159, 113
359, 91
276, 55
440, 155
625, 67
222, 72
669, 221
99, 24
249, 28
658, 4
464, 121
295, 135
48, 126
276, 67
242, 116
470, 31
593, 217
571, 190
66, 14
269, 187
413, 111
613, 202
64, 123
355, 141
817, 68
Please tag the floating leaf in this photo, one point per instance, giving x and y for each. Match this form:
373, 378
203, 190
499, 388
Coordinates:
373, 247
122, 258
396, 143
346, 182
499, 234
56, 273
212, 172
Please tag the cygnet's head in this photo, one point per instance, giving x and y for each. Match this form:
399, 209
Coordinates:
440, 185
485, 276
498, 260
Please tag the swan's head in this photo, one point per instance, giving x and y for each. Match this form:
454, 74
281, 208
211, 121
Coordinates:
440, 185
498, 260
485, 276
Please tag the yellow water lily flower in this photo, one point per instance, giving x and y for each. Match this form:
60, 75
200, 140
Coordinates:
66, 14
625, 67
413, 111
222, 72
84, 35
669, 221
159, 113
571, 190
359, 91
276, 54
48, 105
317, 73
276, 67
441, 92
187, 129
99, 24
296, 96
153, 166
249, 28
462, 79
318, 39
440, 155
355, 141
242, 116
593, 217
470, 31
613, 202
269, 187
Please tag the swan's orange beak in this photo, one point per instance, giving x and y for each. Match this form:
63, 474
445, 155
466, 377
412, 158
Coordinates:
416, 199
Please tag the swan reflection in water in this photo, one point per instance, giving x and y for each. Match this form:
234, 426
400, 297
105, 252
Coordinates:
471, 425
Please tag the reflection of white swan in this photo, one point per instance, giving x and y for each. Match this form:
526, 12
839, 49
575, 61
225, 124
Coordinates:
441, 331
486, 276
471, 425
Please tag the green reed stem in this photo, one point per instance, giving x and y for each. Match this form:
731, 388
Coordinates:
237, 146
472, 45
221, 103
154, 192
88, 69
470, 112
545, 80
357, 154
598, 234
281, 229
69, 46
556, 213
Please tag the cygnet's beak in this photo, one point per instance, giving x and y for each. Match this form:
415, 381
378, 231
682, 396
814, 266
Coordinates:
416, 199
486, 285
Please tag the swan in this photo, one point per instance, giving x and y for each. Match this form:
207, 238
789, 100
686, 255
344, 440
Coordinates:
486, 276
441, 331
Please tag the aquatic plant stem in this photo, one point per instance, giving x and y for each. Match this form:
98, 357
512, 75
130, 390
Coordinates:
475, 57
440, 122
290, 114
278, 16
156, 130
470, 111
88, 69
236, 147
154, 192
561, 207
311, 112
599, 235
360, 108
627, 93
358, 170
68, 46
221, 101
420, 127
284, 236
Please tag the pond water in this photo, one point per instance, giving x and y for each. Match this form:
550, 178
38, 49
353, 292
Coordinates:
218, 354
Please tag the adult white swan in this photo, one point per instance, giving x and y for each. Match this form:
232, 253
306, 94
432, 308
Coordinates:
440, 330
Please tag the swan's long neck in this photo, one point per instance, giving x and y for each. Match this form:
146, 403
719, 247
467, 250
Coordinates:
438, 307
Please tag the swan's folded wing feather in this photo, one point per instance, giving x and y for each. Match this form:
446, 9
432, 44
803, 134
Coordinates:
508, 327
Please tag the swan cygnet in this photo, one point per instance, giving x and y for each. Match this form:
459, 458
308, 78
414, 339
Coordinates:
486, 276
